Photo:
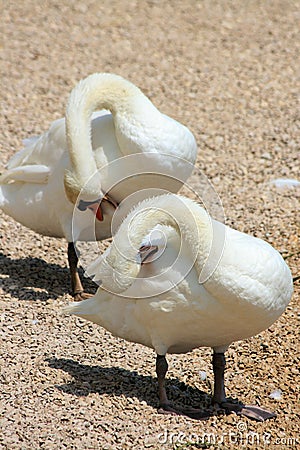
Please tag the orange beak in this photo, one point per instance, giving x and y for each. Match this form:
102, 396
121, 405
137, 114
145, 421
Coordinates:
95, 206
96, 209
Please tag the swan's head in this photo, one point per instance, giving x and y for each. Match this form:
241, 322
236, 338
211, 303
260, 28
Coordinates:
119, 266
87, 196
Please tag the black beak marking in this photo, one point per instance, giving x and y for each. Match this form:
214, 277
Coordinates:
83, 205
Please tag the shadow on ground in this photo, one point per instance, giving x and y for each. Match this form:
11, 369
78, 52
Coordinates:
35, 279
116, 381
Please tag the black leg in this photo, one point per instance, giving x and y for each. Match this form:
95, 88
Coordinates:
77, 289
219, 397
219, 364
161, 371
165, 407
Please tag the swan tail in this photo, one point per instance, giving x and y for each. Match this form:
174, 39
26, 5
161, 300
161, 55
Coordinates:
74, 308
26, 174
86, 309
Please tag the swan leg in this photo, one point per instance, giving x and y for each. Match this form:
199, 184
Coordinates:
219, 397
219, 364
161, 371
165, 407
77, 289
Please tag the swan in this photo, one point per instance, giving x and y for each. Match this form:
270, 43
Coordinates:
153, 290
107, 118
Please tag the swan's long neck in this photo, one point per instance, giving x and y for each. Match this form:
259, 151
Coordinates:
187, 218
98, 91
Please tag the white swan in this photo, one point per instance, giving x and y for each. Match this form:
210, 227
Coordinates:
151, 294
43, 181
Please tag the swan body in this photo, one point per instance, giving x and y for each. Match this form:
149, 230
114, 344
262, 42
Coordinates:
79, 155
35, 189
160, 303
32, 189
247, 291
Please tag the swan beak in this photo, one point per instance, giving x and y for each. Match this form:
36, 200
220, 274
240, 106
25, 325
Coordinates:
146, 251
95, 207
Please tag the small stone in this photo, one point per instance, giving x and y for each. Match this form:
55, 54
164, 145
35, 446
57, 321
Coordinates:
276, 395
266, 155
202, 375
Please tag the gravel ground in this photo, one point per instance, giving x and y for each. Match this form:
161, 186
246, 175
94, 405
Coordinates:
226, 69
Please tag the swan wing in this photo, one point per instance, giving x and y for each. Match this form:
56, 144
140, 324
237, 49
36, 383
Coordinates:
20, 156
26, 174
44, 150
251, 271
92, 270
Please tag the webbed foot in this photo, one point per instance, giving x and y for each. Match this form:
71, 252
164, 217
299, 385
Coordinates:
250, 411
79, 296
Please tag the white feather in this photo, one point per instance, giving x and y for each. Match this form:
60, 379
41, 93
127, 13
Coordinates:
161, 304
32, 190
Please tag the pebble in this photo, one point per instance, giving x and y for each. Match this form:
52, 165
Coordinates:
276, 395
285, 183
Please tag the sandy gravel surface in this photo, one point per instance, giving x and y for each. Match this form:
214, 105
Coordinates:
230, 71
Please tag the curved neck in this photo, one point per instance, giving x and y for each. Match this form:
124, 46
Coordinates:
97, 91
190, 221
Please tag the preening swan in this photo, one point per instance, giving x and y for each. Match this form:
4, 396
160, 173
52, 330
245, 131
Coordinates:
174, 279
43, 181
